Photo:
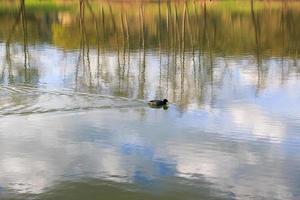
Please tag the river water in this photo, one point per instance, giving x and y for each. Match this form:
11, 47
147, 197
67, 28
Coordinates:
75, 78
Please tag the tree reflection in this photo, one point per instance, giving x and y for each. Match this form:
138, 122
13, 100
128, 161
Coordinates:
26, 73
174, 50
256, 26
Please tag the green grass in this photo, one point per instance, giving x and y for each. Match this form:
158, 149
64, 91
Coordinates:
34, 6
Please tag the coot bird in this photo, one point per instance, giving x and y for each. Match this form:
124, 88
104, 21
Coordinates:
158, 103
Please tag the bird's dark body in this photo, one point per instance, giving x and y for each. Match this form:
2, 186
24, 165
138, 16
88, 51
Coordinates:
158, 103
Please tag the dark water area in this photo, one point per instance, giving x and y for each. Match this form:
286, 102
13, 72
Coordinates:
75, 78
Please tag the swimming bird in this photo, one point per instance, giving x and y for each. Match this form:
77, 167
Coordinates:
158, 103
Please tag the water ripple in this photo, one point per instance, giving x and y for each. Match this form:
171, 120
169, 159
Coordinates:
22, 100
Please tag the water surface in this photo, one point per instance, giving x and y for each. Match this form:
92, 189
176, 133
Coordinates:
75, 79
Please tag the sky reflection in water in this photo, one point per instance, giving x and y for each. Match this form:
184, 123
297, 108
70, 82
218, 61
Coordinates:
73, 121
